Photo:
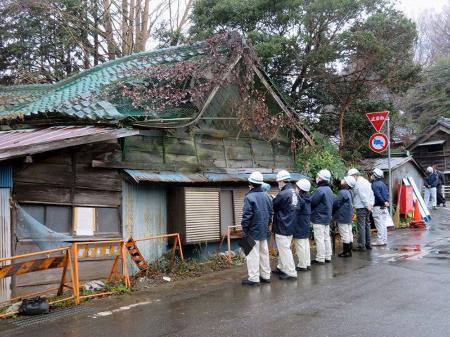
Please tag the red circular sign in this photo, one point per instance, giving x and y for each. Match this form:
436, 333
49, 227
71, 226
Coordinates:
378, 142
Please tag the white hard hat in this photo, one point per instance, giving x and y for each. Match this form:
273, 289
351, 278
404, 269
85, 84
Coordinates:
324, 175
256, 177
304, 185
353, 172
430, 169
351, 182
283, 175
378, 173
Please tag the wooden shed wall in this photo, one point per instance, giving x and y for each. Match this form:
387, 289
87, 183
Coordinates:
441, 158
66, 178
205, 151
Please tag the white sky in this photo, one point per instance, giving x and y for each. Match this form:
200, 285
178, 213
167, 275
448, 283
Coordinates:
414, 8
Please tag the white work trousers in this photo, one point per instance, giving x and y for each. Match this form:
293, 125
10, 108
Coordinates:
285, 258
258, 262
379, 217
346, 232
303, 252
323, 242
430, 192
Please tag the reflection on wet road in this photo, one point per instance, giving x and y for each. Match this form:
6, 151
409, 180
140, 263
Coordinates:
399, 290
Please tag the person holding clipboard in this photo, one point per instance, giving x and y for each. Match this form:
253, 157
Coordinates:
257, 214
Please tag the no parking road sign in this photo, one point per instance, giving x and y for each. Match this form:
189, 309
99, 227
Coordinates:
378, 142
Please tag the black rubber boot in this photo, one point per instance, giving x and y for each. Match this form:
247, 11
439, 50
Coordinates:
347, 251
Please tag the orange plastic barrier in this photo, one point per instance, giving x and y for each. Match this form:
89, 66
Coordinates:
55, 258
176, 246
99, 249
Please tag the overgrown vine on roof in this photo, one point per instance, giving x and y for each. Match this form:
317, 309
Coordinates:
188, 83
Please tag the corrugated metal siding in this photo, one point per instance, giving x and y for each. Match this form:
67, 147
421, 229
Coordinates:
202, 215
144, 213
5, 239
238, 201
6, 180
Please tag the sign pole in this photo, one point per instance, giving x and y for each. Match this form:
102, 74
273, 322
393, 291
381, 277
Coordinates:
389, 164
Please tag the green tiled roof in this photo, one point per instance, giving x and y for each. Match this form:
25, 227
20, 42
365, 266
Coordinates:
76, 96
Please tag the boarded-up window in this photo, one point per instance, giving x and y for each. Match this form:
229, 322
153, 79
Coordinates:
238, 200
84, 221
202, 215
107, 220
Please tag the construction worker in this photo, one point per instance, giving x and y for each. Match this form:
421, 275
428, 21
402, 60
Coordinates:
379, 212
363, 200
343, 214
431, 182
256, 215
302, 225
283, 225
321, 214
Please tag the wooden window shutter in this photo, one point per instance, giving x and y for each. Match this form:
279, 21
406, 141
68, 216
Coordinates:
202, 215
238, 201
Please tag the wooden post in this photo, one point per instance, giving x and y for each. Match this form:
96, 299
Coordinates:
229, 244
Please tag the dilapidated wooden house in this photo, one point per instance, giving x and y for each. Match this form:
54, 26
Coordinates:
66, 150
432, 146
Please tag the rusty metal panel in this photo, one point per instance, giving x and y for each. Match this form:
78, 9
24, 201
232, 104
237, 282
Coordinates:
144, 213
202, 214
5, 239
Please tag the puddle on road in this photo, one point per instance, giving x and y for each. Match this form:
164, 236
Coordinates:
407, 248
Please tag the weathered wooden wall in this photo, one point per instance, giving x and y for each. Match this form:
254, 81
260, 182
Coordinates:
207, 151
441, 158
67, 178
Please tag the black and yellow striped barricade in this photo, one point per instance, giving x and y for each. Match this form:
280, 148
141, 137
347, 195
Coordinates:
40, 261
98, 250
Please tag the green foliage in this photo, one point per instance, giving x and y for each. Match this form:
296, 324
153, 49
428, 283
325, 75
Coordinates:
37, 46
322, 155
328, 56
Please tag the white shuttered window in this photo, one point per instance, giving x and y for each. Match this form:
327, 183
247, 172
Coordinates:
202, 214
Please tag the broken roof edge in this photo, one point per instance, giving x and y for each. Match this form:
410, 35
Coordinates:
23, 142
148, 176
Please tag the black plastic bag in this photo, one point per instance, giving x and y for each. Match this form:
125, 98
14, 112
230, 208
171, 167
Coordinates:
34, 306
247, 243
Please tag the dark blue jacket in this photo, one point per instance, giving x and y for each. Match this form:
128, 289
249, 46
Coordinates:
284, 210
302, 217
343, 207
380, 191
441, 178
322, 204
432, 180
257, 214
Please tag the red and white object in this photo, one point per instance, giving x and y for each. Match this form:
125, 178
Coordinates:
377, 119
378, 142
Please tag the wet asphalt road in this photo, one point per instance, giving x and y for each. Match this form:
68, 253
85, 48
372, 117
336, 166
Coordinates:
401, 290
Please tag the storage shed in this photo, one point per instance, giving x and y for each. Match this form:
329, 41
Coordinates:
401, 167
